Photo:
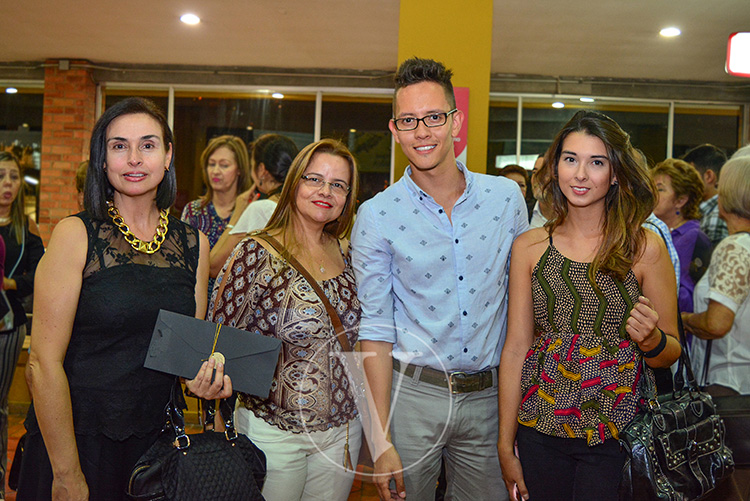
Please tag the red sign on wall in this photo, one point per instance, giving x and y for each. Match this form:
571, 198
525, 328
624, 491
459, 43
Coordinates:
462, 103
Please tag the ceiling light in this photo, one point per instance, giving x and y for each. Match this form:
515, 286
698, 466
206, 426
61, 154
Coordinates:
277, 95
31, 180
738, 54
11, 90
670, 32
558, 105
190, 19
586, 99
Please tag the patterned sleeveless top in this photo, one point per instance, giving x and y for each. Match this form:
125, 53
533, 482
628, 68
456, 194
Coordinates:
580, 378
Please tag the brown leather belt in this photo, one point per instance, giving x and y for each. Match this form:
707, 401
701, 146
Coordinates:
457, 382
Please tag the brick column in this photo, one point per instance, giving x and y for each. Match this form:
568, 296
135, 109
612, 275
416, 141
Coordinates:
69, 116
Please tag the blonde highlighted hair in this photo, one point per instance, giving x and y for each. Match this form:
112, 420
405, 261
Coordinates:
241, 158
282, 218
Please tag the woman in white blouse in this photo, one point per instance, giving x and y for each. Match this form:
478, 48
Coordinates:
721, 296
721, 301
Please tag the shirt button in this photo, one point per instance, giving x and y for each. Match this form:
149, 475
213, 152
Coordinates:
420, 198
456, 240
440, 211
465, 313
466, 350
460, 277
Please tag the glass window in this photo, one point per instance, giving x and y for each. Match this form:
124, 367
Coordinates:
198, 117
645, 122
361, 123
21, 135
694, 125
501, 133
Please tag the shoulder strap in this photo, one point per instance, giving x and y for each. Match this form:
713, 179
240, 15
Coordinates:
20, 254
335, 320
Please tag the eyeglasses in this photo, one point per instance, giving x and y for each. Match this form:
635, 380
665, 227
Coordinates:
337, 188
432, 120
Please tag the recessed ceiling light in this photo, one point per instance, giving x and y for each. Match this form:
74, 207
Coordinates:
586, 99
277, 95
558, 104
670, 32
11, 90
190, 19
352, 131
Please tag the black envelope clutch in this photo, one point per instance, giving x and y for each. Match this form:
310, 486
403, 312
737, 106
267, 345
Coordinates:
180, 344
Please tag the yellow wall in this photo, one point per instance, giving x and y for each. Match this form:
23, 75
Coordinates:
458, 34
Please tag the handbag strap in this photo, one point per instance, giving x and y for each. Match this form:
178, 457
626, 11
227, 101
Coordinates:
684, 378
176, 419
706, 362
20, 254
335, 320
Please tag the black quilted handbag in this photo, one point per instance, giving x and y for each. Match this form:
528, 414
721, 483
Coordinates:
676, 444
202, 466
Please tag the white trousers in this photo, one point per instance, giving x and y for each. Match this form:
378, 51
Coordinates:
300, 466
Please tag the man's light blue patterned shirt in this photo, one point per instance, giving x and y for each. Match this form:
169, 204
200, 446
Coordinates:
438, 288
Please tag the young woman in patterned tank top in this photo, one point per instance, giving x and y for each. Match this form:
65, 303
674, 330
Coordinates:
590, 294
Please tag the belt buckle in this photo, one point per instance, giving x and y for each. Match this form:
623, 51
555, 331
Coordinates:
453, 386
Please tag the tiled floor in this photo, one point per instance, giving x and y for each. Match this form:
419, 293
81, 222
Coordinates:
362, 490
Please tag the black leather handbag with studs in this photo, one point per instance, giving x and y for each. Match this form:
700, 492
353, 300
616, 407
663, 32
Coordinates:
676, 443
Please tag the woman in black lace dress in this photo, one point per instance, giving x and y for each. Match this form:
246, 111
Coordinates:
107, 272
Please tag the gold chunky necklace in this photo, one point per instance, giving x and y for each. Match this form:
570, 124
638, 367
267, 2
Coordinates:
135, 242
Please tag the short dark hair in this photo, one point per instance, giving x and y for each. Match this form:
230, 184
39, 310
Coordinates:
98, 188
417, 70
706, 156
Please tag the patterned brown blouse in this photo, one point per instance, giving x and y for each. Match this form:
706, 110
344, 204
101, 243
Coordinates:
580, 377
310, 390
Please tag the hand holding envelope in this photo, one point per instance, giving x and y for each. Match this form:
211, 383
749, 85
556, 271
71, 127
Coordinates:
181, 344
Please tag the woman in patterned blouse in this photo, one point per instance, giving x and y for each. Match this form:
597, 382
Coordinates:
601, 293
226, 173
309, 418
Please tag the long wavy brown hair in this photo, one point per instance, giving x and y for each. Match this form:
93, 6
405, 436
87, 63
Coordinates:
627, 204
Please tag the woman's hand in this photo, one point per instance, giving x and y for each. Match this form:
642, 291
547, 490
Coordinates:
641, 325
202, 387
9, 284
244, 199
70, 487
513, 477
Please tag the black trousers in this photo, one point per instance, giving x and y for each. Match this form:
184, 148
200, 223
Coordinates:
566, 469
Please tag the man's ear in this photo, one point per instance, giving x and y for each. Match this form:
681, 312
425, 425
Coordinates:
458, 121
394, 131
710, 178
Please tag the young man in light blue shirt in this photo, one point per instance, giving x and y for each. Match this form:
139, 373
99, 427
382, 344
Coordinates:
431, 256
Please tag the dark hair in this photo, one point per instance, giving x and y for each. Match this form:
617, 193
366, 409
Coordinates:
282, 217
237, 146
627, 204
276, 153
417, 70
705, 157
18, 216
686, 181
514, 169
98, 188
